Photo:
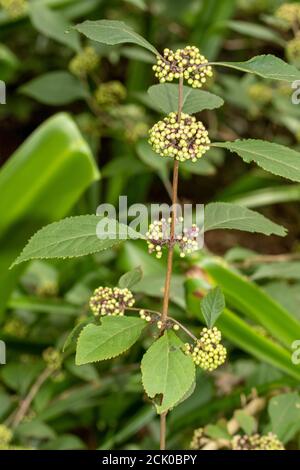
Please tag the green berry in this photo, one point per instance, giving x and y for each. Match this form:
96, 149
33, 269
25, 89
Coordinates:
111, 301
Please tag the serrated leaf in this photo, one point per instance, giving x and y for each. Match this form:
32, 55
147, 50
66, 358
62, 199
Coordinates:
284, 412
130, 279
55, 88
275, 158
110, 339
246, 421
165, 97
113, 32
74, 333
266, 66
53, 25
212, 306
73, 237
167, 373
222, 215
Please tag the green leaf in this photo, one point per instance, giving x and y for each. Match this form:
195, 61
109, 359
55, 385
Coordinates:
130, 279
165, 97
266, 196
256, 31
54, 160
246, 421
35, 429
74, 333
167, 373
241, 334
217, 432
266, 66
275, 158
284, 412
251, 301
53, 25
223, 215
73, 237
113, 337
113, 32
284, 270
55, 88
212, 306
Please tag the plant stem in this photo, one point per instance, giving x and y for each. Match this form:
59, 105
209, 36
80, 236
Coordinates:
25, 404
166, 300
163, 417
173, 222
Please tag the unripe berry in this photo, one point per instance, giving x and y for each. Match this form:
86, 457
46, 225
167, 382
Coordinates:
111, 301
110, 93
207, 352
14, 8
185, 63
179, 140
257, 442
84, 62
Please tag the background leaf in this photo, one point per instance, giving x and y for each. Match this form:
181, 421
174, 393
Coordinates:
53, 25
284, 412
130, 279
55, 88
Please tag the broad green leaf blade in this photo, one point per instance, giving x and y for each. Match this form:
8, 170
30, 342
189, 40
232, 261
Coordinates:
223, 215
113, 32
53, 25
252, 301
212, 306
75, 236
130, 279
285, 270
241, 334
275, 158
110, 339
167, 373
165, 97
256, 31
55, 88
266, 66
284, 412
246, 421
54, 160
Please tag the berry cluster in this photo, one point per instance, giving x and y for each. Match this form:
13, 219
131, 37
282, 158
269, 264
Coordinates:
5, 436
159, 236
196, 442
15, 327
84, 62
14, 8
289, 13
185, 63
261, 93
53, 359
293, 50
257, 442
111, 301
110, 93
184, 140
208, 352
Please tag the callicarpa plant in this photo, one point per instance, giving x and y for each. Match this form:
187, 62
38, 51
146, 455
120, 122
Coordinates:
169, 365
